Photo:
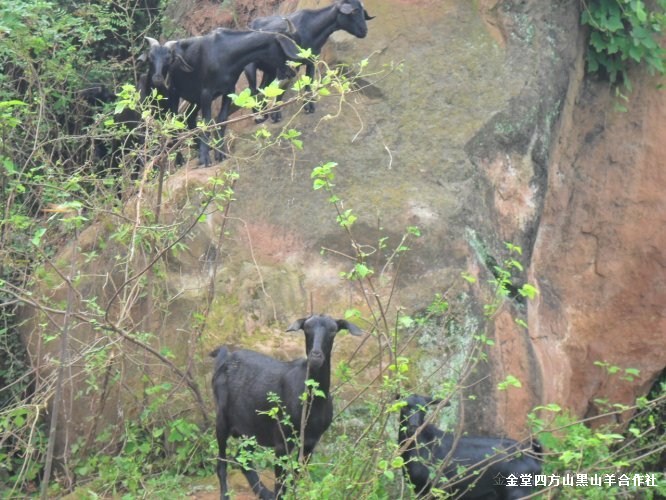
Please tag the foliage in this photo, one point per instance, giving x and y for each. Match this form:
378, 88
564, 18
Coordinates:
603, 461
505, 280
53, 53
624, 32
151, 446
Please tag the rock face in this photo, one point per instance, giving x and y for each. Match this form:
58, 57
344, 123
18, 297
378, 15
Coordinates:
599, 257
484, 132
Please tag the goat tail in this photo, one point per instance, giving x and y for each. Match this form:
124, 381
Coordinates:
220, 354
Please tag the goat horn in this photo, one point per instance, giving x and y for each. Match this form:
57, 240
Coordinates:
290, 26
152, 42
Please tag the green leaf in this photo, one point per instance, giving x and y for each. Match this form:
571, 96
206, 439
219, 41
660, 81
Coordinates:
614, 22
528, 291
244, 100
305, 53
640, 12
468, 277
272, 90
37, 237
262, 133
302, 83
414, 231
362, 271
352, 313
509, 381
406, 321
550, 407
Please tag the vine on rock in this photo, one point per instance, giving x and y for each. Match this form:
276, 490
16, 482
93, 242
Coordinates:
624, 32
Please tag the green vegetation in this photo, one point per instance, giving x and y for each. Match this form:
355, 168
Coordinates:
600, 460
624, 32
87, 245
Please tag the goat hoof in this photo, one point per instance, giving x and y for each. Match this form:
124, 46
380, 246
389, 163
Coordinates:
260, 119
276, 117
309, 108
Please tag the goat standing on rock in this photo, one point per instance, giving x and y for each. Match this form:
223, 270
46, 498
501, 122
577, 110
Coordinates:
242, 383
432, 458
312, 29
206, 67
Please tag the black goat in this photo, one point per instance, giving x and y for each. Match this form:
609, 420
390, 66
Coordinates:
109, 151
205, 67
243, 381
432, 458
312, 29
158, 58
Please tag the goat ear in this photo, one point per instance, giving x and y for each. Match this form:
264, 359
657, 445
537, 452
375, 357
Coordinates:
142, 58
343, 324
345, 8
181, 63
367, 16
296, 325
289, 47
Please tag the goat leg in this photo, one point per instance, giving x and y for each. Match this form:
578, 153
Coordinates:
221, 119
205, 105
276, 116
222, 463
257, 486
309, 71
250, 72
255, 483
281, 454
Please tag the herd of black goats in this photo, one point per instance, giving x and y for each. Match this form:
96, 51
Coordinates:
243, 379
202, 68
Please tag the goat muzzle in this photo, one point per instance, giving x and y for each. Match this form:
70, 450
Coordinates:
158, 81
316, 359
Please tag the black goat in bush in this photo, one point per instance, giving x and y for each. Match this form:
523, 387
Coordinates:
158, 59
243, 382
432, 458
205, 67
111, 149
312, 29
